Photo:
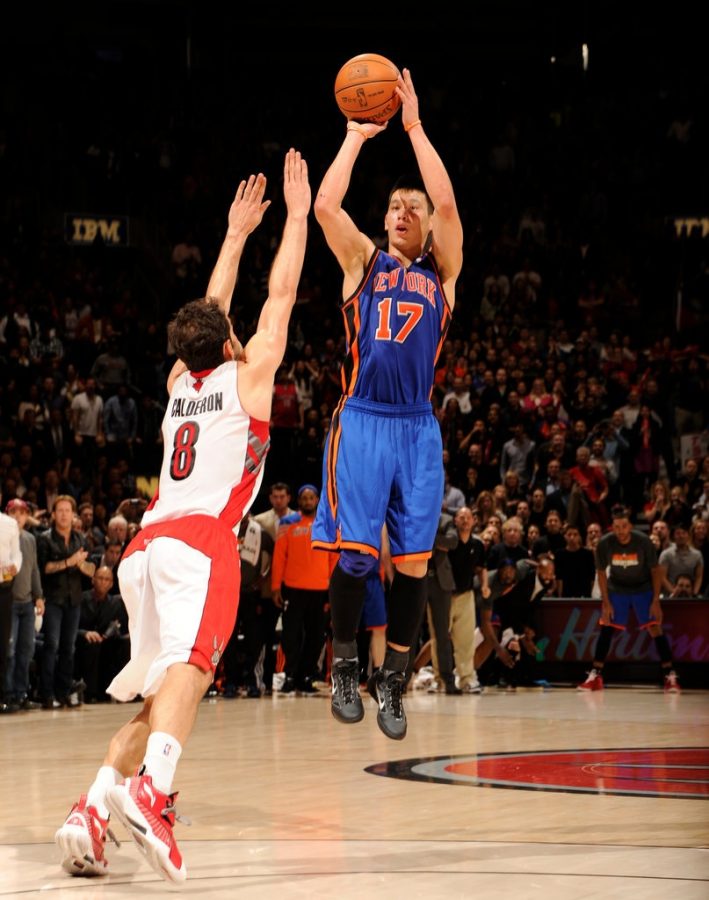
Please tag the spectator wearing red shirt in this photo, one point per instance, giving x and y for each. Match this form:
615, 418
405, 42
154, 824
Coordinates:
593, 484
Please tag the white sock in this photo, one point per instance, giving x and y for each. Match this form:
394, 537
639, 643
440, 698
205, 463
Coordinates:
161, 758
106, 778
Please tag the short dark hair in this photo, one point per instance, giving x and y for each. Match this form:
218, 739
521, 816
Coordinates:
197, 335
412, 181
279, 486
620, 512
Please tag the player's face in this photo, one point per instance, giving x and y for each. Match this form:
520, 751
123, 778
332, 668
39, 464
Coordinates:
308, 501
622, 529
547, 574
63, 514
407, 220
279, 500
506, 575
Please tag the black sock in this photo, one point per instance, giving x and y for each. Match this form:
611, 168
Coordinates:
407, 602
603, 645
664, 652
396, 660
346, 595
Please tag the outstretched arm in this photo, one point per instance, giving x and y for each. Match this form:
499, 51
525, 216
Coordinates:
245, 215
351, 248
447, 227
264, 352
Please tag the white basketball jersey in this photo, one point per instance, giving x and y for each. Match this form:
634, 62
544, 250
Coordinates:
214, 452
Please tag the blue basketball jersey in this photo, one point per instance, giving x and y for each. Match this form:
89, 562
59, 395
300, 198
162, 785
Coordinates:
395, 325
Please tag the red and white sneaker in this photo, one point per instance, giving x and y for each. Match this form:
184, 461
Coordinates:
672, 683
593, 682
149, 815
82, 840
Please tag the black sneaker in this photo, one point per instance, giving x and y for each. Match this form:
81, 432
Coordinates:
307, 688
346, 703
288, 686
26, 703
386, 688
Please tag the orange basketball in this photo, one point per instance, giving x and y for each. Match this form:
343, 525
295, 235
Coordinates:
365, 88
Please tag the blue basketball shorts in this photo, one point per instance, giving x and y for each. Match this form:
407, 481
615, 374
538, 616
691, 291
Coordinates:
374, 613
622, 604
383, 463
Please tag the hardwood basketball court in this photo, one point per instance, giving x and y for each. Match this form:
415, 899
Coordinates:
283, 805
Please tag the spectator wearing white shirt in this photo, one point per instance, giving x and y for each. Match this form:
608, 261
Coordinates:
10, 565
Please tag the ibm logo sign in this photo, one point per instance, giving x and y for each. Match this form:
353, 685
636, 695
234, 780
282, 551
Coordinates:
84, 230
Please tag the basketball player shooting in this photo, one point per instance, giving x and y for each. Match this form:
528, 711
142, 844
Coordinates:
383, 456
180, 575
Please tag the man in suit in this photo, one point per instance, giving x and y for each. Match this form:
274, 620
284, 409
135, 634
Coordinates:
440, 585
58, 439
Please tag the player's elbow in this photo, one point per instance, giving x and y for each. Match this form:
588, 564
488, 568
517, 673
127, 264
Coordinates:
446, 208
325, 209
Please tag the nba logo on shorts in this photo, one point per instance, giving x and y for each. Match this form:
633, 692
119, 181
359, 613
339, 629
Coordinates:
217, 651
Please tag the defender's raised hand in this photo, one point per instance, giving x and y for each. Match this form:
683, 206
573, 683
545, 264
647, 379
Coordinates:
296, 187
248, 207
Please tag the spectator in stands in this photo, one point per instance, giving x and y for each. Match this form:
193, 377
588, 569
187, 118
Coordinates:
453, 497
440, 584
28, 602
645, 446
681, 559
109, 555
538, 508
593, 484
659, 502
87, 423
575, 567
517, 455
552, 540
102, 643
511, 546
299, 581
94, 536
253, 622
62, 557
10, 565
467, 562
698, 533
110, 369
661, 529
120, 424
484, 508
57, 438
678, 513
683, 588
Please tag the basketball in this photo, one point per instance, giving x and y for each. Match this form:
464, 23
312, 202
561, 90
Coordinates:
365, 88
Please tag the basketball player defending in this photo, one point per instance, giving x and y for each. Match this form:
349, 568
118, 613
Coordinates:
180, 575
383, 457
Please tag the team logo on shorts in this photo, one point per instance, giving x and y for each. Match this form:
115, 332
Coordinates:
676, 772
218, 650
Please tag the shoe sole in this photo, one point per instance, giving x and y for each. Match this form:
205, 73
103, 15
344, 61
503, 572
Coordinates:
77, 858
124, 808
393, 736
351, 720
